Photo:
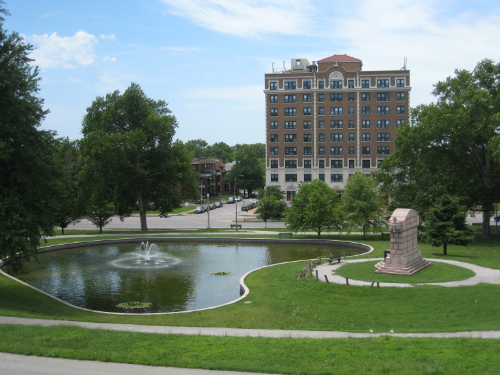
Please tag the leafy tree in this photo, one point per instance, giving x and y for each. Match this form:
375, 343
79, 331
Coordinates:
272, 203
250, 165
197, 147
450, 147
316, 206
362, 203
128, 140
220, 151
28, 170
273, 190
446, 224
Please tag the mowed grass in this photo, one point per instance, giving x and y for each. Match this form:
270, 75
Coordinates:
435, 273
382, 355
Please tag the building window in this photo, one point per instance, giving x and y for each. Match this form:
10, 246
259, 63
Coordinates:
379, 162
322, 177
351, 110
365, 163
274, 125
400, 110
274, 111
274, 163
273, 85
365, 137
274, 178
307, 124
365, 124
321, 111
273, 99
335, 150
290, 150
337, 84
307, 151
351, 137
365, 83
307, 138
336, 111
290, 163
382, 123
307, 177
383, 150
290, 177
307, 164
351, 150
365, 97
350, 83
321, 84
400, 82
383, 97
306, 85
307, 111
336, 124
274, 138
290, 98
290, 124
382, 110
290, 112
290, 85
307, 98
365, 150
335, 97
321, 151
351, 124
321, 138
336, 137
351, 163
274, 151
321, 98
290, 137
383, 137
336, 177
321, 164
351, 97
382, 83
399, 122
400, 96
321, 124
365, 110
336, 163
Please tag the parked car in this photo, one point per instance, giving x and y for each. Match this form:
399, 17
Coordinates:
212, 206
238, 199
205, 207
199, 210
218, 204
496, 218
230, 200
152, 206
246, 206
199, 201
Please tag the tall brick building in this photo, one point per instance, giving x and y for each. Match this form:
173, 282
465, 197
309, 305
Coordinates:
329, 119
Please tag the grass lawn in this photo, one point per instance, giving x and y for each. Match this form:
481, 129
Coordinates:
280, 301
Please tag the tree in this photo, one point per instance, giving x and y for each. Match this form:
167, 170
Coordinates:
128, 140
446, 224
220, 151
362, 203
28, 170
449, 147
272, 203
197, 147
250, 165
316, 206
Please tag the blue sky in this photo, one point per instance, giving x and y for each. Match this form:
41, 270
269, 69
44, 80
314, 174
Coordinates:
207, 58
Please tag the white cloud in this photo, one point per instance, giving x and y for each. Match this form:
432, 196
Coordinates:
64, 52
182, 49
249, 18
244, 93
107, 58
108, 37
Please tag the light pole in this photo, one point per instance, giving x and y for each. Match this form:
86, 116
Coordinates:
265, 195
208, 210
235, 201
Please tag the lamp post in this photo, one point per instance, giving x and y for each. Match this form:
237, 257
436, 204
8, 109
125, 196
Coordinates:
235, 201
208, 210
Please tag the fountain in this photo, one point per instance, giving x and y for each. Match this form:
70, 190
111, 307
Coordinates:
148, 256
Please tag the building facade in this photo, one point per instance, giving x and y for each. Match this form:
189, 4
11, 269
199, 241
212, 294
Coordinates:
329, 119
211, 176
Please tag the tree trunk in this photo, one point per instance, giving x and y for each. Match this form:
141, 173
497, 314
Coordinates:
142, 213
486, 223
319, 232
364, 232
445, 252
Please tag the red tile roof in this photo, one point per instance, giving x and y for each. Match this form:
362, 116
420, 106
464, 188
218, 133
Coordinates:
339, 58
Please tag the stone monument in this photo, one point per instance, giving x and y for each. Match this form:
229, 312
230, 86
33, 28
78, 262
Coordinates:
404, 257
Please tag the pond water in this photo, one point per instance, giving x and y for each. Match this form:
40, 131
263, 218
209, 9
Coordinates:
175, 276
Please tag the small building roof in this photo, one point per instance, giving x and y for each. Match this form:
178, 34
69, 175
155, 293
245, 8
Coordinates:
339, 58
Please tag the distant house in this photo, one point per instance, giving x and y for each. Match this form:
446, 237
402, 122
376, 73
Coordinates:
212, 176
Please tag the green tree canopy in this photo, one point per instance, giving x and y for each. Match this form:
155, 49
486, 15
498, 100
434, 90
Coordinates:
128, 142
250, 165
271, 203
446, 224
28, 169
362, 203
316, 206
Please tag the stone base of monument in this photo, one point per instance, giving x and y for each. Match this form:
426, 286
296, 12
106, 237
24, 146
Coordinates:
402, 269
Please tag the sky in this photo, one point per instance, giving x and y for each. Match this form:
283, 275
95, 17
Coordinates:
208, 58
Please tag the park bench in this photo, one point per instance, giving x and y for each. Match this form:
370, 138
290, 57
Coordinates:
235, 226
286, 234
333, 257
386, 235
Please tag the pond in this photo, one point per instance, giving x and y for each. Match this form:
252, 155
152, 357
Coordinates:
171, 276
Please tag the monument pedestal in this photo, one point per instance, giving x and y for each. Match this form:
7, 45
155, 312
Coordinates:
404, 257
